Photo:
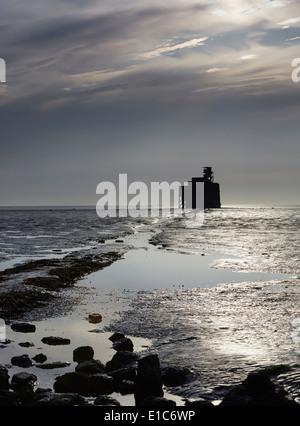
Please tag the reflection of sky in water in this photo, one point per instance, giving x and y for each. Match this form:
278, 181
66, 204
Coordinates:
151, 267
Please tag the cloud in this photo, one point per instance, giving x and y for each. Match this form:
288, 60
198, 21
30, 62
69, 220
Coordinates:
168, 48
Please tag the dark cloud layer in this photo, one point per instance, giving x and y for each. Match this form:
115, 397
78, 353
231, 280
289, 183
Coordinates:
153, 90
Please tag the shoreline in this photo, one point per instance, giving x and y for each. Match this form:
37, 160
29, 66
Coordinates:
132, 305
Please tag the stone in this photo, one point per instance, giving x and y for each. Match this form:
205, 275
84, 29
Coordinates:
120, 360
90, 367
125, 373
4, 378
26, 344
9, 399
52, 340
83, 353
106, 400
199, 403
23, 327
149, 380
22, 361
61, 400
40, 358
72, 382
95, 318
237, 397
116, 336
157, 401
124, 344
101, 384
126, 387
23, 381
54, 364
175, 376
258, 383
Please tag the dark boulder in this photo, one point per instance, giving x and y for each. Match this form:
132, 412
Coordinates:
54, 364
40, 358
22, 361
116, 336
237, 397
149, 380
61, 400
83, 353
101, 384
4, 378
23, 327
8, 399
52, 340
72, 383
258, 383
199, 403
23, 385
120, 360
157, 401
91, 366
126, 387
175, 376
125, 373
123, 344
106, 400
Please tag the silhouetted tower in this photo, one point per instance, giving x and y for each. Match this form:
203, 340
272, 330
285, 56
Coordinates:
211, 190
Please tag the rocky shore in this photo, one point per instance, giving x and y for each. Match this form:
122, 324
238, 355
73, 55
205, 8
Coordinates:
92, 382
36, 283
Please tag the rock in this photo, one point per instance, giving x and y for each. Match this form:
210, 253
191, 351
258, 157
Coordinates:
51, 340
101, 384
101, 241
72, 383
40, 358
54, 364
91, 366
61, 400
106, 400
124, 344
199, 403
8, 399
95, 318
23, 327
258, 383
83, 353
125, 373
4, 378
175, 376
149, 380
158, 402
237, 397
120, 360
116, 336
119, 241
22, 361
126, 387
41, 393
275, 400
23, 381
26, 344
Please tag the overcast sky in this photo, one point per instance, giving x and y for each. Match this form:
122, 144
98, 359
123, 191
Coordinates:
154, 89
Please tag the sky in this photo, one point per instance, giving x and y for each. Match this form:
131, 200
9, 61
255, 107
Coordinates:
154, 89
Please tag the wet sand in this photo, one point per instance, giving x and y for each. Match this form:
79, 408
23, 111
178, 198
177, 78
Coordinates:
218, 331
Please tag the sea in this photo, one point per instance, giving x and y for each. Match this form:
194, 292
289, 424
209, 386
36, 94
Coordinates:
219, 300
